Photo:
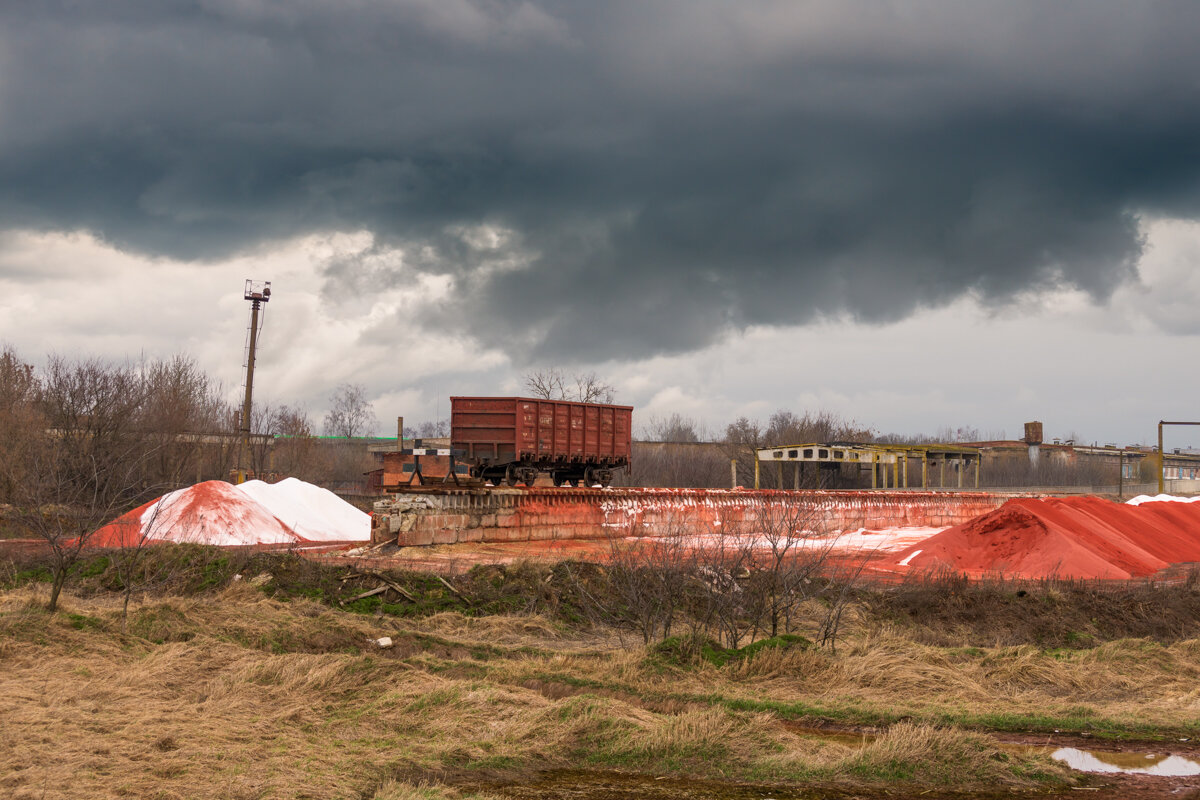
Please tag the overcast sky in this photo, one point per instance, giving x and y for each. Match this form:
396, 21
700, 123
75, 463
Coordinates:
914, 214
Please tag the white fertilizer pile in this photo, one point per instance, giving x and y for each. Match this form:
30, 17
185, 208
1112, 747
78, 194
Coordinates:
315, 514
1160, 498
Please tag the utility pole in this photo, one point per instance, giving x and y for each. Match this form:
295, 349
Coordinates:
257, 292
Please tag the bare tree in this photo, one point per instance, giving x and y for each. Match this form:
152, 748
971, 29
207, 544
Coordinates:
89, 463
181, 405
350, 413
429, 429
674, 428
295, 447
679, 464
20, 422
745, 436
589, 388
434, 429
548, 384
552, 384
786, 427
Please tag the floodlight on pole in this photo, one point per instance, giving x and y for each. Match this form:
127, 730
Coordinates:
257, 292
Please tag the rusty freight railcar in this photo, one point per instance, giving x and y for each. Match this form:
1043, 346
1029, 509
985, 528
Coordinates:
511, 439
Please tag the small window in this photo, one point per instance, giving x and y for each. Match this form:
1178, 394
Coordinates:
822, 454
808, 452
777, 454
839, 453
793, 453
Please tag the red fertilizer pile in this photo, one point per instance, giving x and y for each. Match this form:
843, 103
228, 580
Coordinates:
213, 512
1078, 537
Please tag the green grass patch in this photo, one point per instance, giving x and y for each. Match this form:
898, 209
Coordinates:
82, 621
690, 650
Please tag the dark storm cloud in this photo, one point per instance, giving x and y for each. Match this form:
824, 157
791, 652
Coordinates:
664, 171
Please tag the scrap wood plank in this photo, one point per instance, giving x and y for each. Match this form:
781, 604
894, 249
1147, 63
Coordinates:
373, 592
449, 586
395, 586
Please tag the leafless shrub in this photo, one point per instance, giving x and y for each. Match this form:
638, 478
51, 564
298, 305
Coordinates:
134, 539
647, 575
766, 572
842, 581
719, 602
783, 559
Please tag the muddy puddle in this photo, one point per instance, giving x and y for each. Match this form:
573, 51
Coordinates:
1129, 763
587, 785
603, 785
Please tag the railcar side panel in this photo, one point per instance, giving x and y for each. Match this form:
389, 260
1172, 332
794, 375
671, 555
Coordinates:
542, 433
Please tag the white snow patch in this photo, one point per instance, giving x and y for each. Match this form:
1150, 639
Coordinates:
910, 557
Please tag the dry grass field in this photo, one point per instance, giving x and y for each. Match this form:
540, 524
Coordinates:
232, 693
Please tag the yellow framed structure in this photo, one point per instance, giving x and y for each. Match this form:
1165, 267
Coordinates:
879, 459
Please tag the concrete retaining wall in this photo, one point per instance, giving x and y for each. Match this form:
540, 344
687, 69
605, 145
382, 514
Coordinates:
512, 515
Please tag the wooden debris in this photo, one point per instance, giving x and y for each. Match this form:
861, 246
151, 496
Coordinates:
397, 588
372, 593
449, 586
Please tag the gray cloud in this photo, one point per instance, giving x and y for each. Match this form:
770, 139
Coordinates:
666, 171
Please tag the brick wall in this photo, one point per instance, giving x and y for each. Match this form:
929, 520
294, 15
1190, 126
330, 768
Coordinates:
510, 515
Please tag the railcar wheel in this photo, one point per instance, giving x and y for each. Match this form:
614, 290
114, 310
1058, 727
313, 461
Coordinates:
510, 476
